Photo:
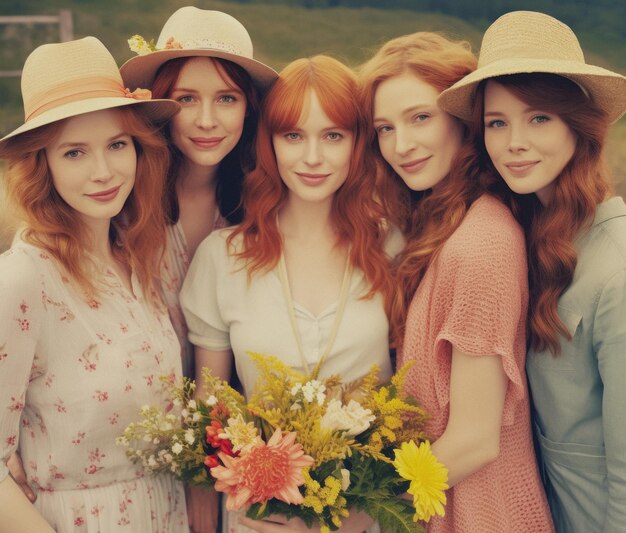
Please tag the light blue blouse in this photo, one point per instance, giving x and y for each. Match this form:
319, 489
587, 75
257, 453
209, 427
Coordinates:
580, 397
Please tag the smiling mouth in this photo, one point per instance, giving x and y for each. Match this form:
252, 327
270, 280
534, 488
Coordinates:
416, 165
311, 178
521, 167
105, 196
206, 142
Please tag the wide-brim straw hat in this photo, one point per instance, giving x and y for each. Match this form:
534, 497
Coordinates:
63, 80
530, 42
193, 32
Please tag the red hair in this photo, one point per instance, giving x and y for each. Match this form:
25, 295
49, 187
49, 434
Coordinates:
427, 218
579, 188
241, 158
51, 224
355, 215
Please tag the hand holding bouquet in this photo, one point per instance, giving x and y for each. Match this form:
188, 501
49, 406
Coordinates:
299, 447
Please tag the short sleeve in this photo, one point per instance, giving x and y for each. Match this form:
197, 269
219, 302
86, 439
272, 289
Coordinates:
21, 316
485, 298
609, 340
200, 295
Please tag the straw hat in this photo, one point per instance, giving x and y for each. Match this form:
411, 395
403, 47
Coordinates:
192, 32
63, 80
528, 42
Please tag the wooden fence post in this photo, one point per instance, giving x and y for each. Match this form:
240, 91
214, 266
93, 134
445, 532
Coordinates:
63, 19
66, 26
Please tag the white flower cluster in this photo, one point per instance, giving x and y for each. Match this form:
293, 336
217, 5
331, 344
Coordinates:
139, 45
243, 435
190, 413
351, 418
311, 391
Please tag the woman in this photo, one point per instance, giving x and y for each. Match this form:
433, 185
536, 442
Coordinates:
543, 134
83, 333
460, 308
203, 60
306, 267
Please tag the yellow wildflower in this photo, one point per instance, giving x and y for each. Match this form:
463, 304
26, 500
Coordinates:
428, 478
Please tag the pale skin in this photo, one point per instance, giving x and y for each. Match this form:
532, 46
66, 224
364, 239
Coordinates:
420, 141
471, 439
91, 154
206, 130
315, 261
529, 147
211, 110
196, 194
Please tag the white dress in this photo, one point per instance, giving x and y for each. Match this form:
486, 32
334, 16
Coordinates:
74, 372
223, 310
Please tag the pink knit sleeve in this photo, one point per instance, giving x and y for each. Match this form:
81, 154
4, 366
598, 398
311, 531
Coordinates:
483, 279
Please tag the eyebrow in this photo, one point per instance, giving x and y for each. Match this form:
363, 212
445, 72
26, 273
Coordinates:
502, 113
408, 111
196, 91
81, 144
493, 114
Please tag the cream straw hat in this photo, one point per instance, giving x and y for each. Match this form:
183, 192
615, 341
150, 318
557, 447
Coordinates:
528, 42
63, 80
192, 32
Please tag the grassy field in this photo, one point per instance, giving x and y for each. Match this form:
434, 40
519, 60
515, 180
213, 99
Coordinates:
280, 33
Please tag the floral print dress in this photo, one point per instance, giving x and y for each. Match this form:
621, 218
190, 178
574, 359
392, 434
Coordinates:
74, 372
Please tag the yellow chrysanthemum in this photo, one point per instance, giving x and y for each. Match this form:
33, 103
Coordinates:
428, 478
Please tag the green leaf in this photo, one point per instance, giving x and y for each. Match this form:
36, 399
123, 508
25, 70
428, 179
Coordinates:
394, 515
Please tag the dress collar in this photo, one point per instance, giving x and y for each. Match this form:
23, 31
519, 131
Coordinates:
611, 208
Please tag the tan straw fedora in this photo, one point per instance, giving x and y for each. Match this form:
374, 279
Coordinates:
192, 32
527, 42
62, 80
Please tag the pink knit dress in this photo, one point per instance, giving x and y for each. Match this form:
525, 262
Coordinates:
475, 297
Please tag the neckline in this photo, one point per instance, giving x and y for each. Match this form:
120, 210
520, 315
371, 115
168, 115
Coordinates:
341, 304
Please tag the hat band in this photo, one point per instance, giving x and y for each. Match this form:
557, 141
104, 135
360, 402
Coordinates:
76, 91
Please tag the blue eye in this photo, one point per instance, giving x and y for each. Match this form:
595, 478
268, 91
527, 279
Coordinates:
384, 129
496, 124
334, 136
540, 119
421, 117
292, 136
227, 99
185, 99
118, 145
72, 154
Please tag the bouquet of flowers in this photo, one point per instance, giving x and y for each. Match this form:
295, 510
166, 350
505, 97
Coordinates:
300, 446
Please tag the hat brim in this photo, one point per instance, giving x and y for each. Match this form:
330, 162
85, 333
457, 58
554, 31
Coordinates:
157, 111
139, 71
606, 88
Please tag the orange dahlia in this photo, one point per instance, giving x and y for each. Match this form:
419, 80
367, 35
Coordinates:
266, 471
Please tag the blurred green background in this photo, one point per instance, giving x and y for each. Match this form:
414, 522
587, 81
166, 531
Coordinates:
283, 30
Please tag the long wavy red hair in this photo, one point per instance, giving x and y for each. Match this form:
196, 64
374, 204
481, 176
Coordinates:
137, 232
579, 188
427, 218
356, 216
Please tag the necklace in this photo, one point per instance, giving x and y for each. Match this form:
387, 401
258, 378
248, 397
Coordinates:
343, 298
